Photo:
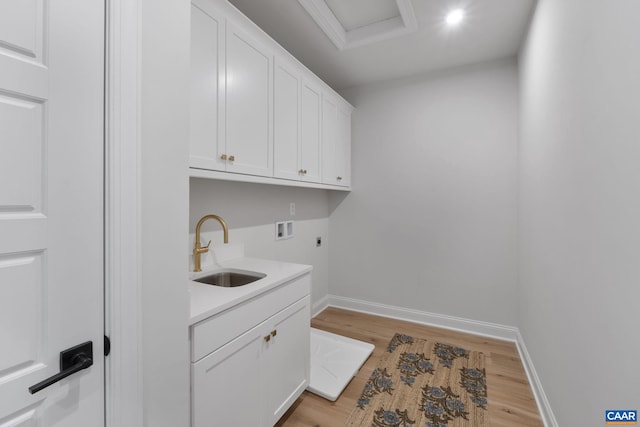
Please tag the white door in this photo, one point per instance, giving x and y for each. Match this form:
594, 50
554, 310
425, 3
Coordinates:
51, 202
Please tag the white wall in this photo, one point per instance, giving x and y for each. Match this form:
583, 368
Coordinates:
580, 205
251, 210
164, 130
431, 222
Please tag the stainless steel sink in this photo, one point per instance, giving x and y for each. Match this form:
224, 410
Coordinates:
230, 279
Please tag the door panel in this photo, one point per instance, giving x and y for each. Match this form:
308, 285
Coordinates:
287, 356
248, 104
21, 277
329, 136
21, 27
21, 167
51, 203
343, 149
207, 106
226, 385
286, 121
310, 146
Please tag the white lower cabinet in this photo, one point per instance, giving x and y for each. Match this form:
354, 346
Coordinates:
226, 384
286, 359
253, 379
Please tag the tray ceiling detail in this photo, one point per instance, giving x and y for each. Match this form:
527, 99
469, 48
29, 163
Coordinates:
354, 23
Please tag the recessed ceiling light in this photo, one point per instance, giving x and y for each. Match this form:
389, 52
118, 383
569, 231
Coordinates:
454, 17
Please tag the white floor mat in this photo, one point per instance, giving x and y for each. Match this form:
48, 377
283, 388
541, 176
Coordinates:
335, 360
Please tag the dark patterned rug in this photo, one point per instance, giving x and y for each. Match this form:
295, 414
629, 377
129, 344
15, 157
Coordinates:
421, 383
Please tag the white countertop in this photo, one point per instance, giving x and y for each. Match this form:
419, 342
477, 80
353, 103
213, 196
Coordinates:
207, 300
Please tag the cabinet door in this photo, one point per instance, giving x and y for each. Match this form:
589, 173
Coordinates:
286, 358
226, 384
336, 141
286, 132
310, 147
206, 142
249, 92
329, 136
343, 148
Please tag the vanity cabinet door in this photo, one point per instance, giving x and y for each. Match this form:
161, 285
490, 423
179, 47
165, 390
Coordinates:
249, 93
225, 385
206, 142
286, 358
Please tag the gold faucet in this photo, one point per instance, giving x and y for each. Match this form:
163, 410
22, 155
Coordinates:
199, 250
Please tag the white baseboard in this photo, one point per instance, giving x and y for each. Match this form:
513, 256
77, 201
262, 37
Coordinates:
541, 398
492, 330
487, 329
320, 305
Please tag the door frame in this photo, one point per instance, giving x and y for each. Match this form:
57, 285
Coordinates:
122, 293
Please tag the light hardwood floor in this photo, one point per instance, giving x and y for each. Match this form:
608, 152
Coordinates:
510, 398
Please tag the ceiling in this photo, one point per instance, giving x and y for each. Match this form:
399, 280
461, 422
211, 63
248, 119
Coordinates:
354, 14
492, 29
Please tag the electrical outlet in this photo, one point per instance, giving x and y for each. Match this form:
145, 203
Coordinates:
292, 209
284, 230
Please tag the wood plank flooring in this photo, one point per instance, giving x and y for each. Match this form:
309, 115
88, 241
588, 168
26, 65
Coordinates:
510, 398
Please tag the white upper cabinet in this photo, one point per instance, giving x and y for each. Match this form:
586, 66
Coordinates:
343, 146
249, 90
336, 141
329, 134
297, 141
286, 129
311, 142
206, 143
257, 112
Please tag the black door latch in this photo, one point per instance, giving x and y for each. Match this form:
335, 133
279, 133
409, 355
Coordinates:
72, 360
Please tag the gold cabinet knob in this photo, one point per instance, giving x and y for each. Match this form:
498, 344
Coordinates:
301, 171
223, 157
232, 158
339, 178
267, 338
305, 171
274, 333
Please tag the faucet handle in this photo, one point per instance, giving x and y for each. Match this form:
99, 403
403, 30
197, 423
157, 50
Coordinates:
201, 249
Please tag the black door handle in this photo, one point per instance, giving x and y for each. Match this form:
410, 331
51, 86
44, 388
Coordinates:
72, 360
